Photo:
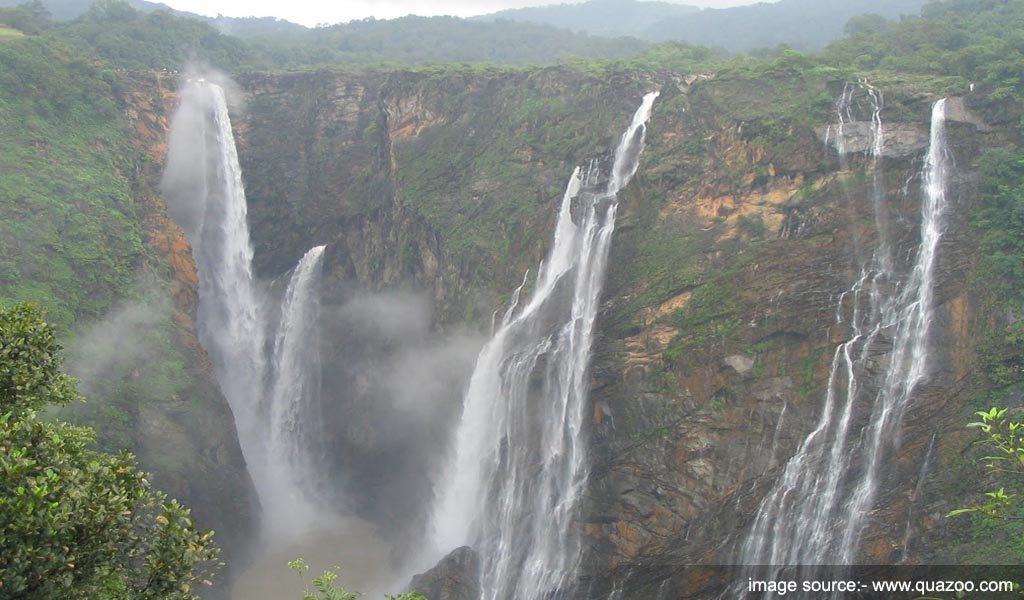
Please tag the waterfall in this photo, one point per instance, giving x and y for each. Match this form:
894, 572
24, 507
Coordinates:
275, 402
293, 410
816, 512
519, 463
203, 186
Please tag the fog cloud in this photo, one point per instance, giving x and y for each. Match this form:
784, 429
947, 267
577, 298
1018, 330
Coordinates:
120, 344
392, 390
312, 12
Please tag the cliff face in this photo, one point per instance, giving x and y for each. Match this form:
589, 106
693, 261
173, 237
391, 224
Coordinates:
437, 187
712, 370
739, 235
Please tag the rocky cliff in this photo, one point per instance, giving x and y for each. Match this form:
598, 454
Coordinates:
740, 234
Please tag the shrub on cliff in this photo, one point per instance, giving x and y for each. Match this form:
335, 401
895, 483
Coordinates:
76, 523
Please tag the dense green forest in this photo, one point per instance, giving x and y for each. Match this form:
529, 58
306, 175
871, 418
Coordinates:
129, 38
147, 35
609, 18
974, 39
802, 24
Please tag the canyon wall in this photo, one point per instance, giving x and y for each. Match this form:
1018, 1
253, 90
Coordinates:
739, 236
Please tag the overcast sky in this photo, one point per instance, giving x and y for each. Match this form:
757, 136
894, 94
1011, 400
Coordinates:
311, 12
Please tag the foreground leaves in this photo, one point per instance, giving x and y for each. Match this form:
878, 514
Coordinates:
76, 523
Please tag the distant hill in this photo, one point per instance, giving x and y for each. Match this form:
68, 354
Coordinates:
66, 10
246, 27
153, 35
802, 24
413, 40
610, 18
128, 38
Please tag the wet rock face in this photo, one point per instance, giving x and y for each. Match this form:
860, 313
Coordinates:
901, 139
705, 399
456, 577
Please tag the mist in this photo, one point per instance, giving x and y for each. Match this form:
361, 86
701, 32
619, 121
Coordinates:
187, 176
391, 396
392, 388
126, 340
112, 356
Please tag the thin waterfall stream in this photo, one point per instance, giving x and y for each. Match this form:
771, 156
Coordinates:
293, 402
520, 457
817, 510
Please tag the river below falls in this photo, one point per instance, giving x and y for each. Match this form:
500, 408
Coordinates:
348, 546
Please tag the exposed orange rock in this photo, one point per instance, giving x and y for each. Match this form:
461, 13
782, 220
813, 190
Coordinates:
650, 315
408, 117
629, 539
646, 349
959, 329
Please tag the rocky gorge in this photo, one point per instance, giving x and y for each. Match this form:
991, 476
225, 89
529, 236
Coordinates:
718, 325
420, 205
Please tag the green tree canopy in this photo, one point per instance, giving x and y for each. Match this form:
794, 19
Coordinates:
76, 523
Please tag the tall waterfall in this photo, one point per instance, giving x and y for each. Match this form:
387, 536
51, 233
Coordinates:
203, 187
273, 402
293, 410
817, 510
520, 460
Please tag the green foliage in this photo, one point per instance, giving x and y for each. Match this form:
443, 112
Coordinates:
1004, 439
326, 586
752, 227
707, 322
671, 56
490, 181
29, 363
159, 39
131, 39
76, 523
1000, 221
68, 221
804, 24
424, 40
977, 40
31, 18
610, 18
152, 371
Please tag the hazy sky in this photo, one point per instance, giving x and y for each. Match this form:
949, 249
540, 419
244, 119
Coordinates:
311, 12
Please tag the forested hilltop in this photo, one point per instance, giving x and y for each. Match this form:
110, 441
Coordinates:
429, 156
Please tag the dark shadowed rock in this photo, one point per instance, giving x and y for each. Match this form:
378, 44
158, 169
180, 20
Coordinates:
456, 577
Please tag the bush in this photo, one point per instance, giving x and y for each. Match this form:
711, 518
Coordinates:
76, 523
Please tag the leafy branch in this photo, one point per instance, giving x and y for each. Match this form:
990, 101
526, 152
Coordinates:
1005, 438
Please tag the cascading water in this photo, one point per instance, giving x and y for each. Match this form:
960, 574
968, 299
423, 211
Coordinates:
520, 460
293, 410
816, 511
275, 420
203, 187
